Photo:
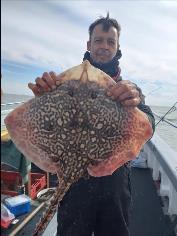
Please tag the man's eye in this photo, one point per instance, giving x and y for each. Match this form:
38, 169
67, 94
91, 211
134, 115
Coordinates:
98, 40
111, 42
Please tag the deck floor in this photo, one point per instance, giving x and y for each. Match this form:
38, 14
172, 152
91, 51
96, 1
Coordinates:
147, 218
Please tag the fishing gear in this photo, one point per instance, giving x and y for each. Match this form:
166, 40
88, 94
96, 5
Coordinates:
173, 108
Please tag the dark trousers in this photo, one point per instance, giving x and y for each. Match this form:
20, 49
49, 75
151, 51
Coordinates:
100, 205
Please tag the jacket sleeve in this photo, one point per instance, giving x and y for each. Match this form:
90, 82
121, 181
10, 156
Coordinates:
146, 109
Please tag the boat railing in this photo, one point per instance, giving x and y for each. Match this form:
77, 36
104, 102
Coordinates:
163, 162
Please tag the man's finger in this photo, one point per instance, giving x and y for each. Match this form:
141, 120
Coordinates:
131, 102
46, 77
34, 89
129, 95
115, 91
54, 78
53, 75
41, 83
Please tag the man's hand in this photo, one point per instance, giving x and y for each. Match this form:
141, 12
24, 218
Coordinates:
44, 84
125, 92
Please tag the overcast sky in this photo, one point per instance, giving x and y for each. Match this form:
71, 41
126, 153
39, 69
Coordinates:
40, 36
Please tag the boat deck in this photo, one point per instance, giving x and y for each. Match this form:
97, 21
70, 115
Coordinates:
147, 218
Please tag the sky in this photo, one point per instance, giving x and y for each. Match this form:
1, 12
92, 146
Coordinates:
43, 35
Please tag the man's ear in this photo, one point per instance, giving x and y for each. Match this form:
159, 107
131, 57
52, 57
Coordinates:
88, 45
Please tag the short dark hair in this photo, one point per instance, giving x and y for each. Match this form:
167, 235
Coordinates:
107, 23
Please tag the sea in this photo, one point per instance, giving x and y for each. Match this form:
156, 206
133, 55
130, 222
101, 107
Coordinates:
166, 131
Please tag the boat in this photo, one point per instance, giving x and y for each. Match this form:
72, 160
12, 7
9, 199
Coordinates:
154, 193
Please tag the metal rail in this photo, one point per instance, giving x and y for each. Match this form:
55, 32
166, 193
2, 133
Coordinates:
163, 161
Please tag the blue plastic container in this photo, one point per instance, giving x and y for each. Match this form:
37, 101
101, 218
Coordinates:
18, 205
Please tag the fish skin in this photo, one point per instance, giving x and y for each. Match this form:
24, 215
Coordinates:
77, 129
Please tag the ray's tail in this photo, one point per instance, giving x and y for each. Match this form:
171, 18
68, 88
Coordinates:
51, 209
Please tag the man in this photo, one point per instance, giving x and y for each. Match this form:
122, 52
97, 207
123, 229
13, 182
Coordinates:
100, 205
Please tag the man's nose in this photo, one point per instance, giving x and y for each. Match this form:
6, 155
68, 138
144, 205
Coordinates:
105, 44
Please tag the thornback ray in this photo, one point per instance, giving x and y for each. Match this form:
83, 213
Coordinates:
77, 129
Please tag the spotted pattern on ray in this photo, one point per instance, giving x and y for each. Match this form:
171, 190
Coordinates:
76, 129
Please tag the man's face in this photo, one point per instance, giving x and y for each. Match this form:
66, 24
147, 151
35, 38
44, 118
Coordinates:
103, 45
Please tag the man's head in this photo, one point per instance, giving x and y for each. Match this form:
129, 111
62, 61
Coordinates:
103, 39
